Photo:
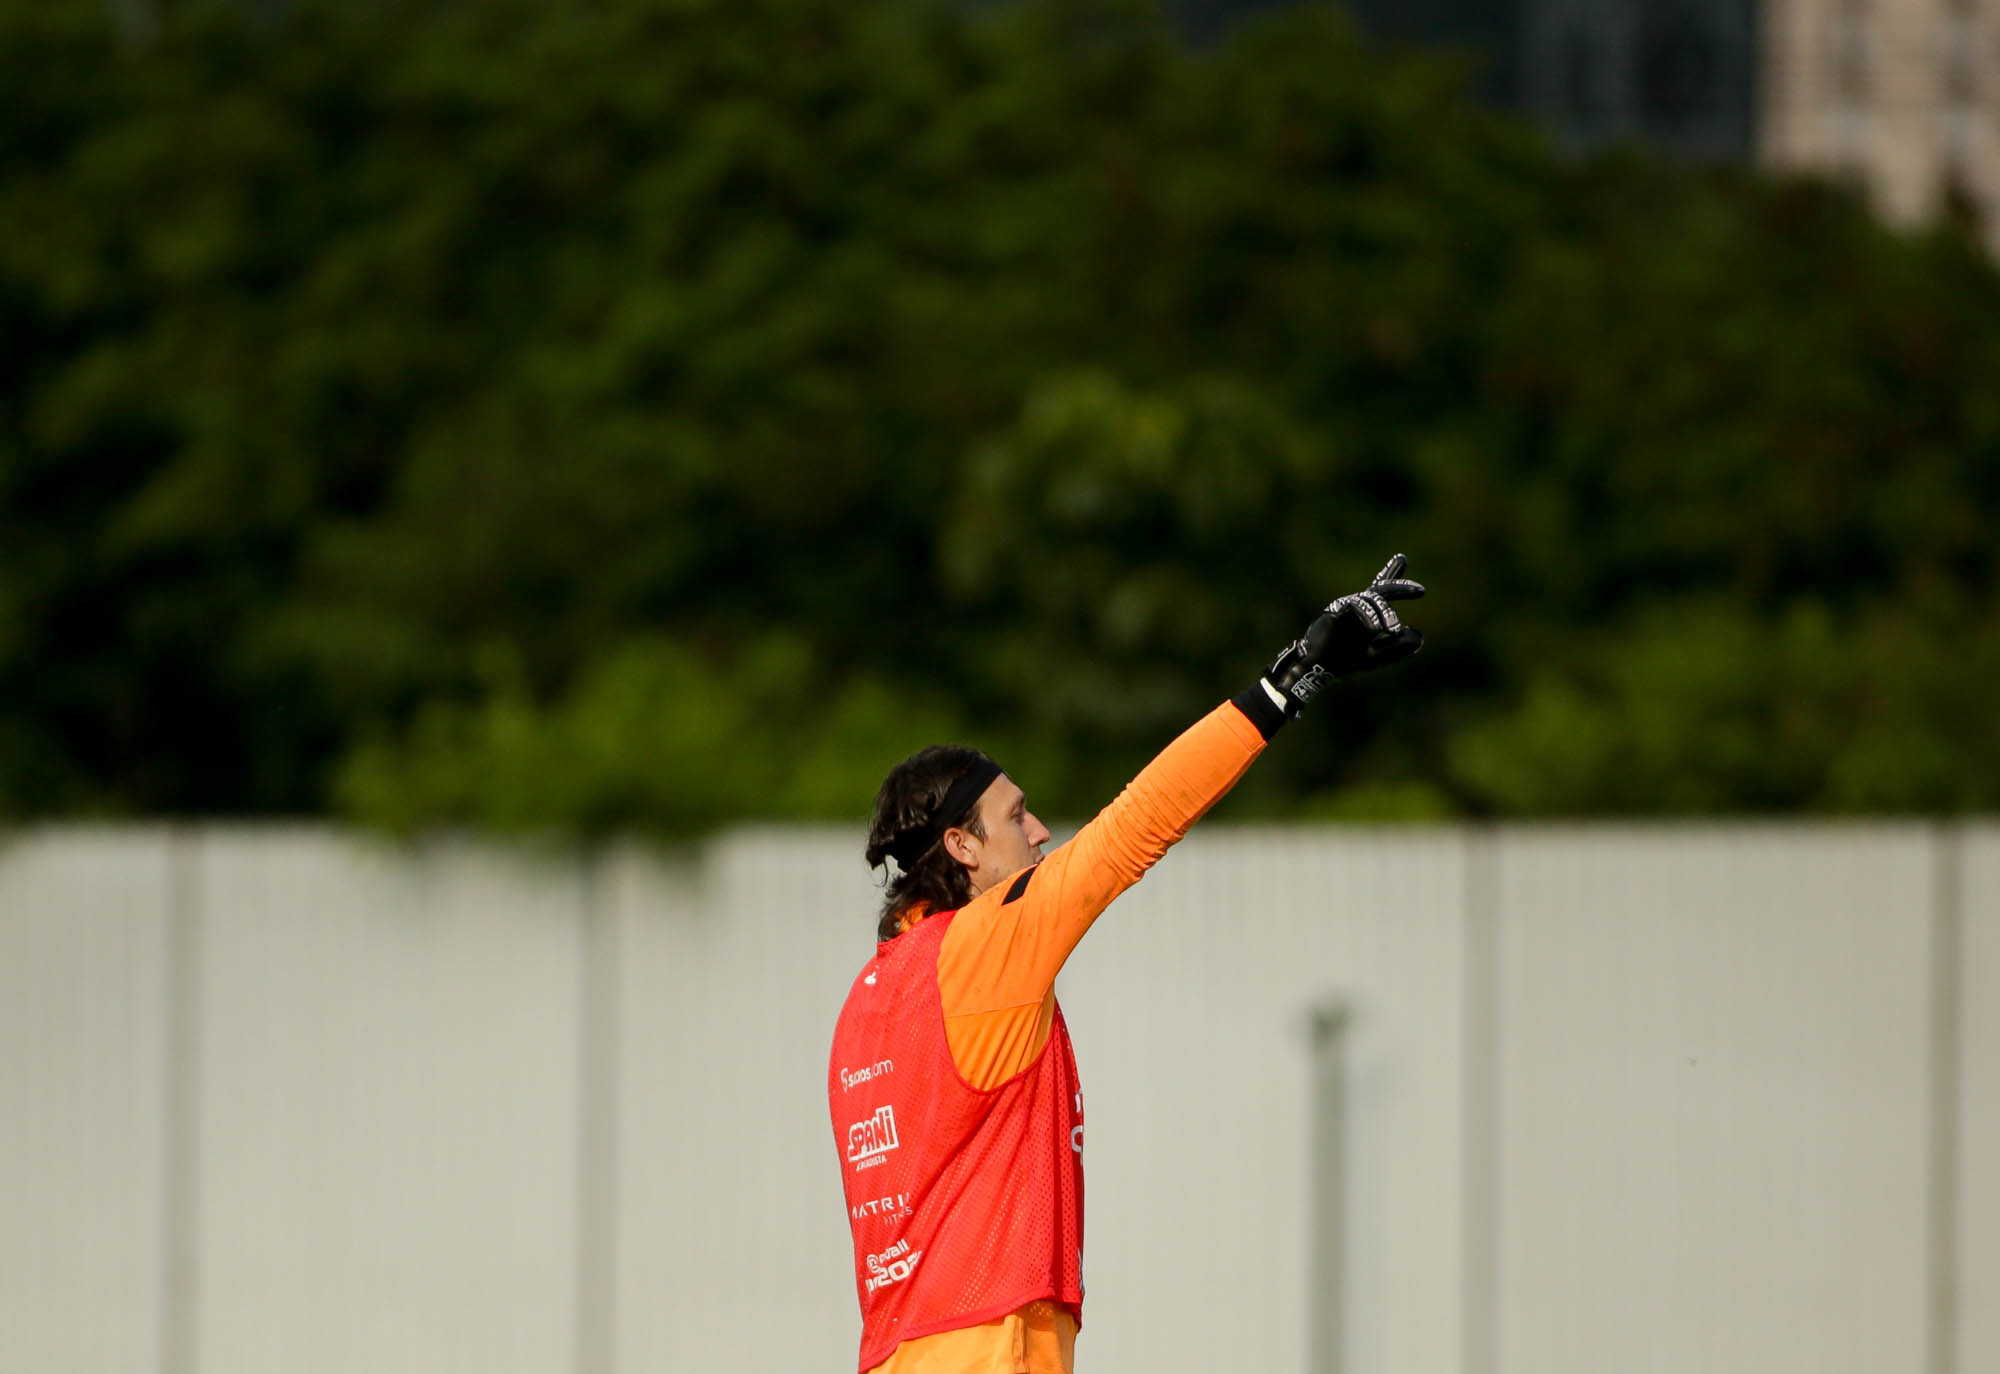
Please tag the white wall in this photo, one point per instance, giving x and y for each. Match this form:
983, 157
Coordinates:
1611, 1097
1190, 1004
1975, 1303
83, 974
388, 1109
1714, 1082
732, 1232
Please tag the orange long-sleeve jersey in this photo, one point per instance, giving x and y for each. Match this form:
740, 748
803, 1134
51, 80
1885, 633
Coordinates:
997, 974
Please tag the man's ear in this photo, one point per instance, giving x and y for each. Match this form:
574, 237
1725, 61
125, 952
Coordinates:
958, 844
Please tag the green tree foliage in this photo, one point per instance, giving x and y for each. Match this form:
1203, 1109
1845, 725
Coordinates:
661, 412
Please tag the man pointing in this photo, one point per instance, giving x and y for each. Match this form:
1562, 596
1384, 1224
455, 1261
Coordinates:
953, 1089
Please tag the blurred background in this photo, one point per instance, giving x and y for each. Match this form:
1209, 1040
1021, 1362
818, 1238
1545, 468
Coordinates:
488, 487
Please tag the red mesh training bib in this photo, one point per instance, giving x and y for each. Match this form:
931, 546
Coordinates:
965, 1205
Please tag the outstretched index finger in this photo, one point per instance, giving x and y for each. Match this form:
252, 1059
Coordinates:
1392, 585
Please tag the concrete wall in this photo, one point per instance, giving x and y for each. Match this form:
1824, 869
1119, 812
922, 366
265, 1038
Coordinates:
83, 1101
1714, 1059
1972, 1303
1515, 1101
387, 1084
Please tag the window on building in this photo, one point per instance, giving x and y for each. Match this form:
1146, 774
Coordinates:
1676, 66
1848, 54
1582, 103
1958, 52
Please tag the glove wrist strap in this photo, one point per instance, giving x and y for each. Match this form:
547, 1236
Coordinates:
1263, 705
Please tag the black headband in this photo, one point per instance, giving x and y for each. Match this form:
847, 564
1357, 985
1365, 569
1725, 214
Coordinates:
912, 845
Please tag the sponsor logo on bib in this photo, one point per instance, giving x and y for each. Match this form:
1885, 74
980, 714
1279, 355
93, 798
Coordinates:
893, 1265
850, 1079
868, 1141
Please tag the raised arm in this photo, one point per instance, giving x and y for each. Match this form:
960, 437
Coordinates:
1006, 946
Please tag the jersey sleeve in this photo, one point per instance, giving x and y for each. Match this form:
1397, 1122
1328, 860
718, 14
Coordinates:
1006, 946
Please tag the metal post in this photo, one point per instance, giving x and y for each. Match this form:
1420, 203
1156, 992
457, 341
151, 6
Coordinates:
180, 1206
1946, 1028
1327, 1335
1479, 1332
597, 1123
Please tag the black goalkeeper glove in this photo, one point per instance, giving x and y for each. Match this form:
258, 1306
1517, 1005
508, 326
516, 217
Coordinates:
1352, 635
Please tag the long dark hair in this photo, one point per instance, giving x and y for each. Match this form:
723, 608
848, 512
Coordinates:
908, 803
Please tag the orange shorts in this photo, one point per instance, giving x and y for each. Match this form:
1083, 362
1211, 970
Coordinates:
1038, 1339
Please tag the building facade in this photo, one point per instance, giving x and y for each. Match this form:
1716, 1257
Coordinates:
1902, 96
1678, 74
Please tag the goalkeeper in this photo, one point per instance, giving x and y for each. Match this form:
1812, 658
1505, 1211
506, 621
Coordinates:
953, 1089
